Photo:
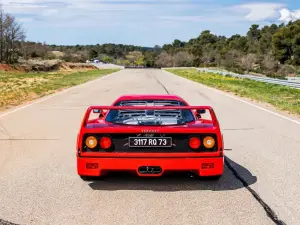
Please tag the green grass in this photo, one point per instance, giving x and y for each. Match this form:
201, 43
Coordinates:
283, 98
17, 88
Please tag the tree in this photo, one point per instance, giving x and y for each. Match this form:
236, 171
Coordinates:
254, 33
93, 53
164, 60
232, 59
168, 48
286, 43
135, 58
157, 48
208, 56
248, 61
239, 43
270, 65
282, 45
183, 59
177, 44
126, 63
286, 70
207, 38
149, 58
107, 59
12, 35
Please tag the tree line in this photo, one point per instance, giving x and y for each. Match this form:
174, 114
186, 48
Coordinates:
273, 50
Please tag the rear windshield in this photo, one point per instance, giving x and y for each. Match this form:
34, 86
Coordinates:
150, 117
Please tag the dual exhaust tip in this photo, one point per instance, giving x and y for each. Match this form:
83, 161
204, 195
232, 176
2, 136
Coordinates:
150, 170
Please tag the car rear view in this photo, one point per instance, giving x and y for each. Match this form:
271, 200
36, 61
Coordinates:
150, 137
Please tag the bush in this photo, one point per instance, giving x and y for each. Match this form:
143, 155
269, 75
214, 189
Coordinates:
286, 70
50, 56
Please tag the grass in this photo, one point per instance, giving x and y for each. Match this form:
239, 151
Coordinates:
17, 88
283, 98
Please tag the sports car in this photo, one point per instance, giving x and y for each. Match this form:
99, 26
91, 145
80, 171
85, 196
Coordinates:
150, 135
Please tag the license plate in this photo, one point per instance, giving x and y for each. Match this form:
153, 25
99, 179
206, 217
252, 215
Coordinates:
150, 142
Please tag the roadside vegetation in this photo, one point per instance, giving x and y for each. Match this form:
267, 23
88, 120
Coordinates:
283, 98
18, 87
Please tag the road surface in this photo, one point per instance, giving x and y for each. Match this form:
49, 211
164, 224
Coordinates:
39, 184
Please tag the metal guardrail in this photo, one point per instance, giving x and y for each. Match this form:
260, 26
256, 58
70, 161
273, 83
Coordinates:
141, 67
294, 79
293, 84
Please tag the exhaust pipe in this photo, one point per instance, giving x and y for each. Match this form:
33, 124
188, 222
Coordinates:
149, 170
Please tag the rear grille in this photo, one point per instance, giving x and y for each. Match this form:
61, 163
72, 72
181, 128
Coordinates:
179, 144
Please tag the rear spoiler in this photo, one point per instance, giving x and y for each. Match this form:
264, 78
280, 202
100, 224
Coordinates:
209, 108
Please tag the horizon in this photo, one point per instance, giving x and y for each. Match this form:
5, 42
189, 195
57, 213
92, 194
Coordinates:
143, 23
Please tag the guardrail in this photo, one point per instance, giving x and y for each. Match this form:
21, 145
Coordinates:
293, 84
141, 67
294, 79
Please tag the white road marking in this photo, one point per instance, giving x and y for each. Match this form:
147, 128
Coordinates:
246, 102
51, 96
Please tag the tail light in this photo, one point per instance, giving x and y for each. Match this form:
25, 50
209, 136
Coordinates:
91, 142
209, 142
194, 142
105, 142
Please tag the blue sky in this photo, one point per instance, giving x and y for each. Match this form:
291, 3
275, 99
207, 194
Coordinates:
143, 22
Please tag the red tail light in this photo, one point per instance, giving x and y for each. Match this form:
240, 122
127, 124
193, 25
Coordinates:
105, 142
194, 142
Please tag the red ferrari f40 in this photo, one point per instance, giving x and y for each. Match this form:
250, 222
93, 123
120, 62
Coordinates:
150, 135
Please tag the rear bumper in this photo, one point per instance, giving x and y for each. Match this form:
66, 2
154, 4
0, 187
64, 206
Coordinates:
208, 166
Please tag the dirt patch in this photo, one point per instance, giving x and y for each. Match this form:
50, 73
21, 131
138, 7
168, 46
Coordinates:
5, 67
40, 65
47, 66
76, 67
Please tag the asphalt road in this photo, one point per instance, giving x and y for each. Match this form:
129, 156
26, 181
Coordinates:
39, 184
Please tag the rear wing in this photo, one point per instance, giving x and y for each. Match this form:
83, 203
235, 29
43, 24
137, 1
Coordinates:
100, 108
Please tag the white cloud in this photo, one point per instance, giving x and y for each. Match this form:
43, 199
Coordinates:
250, 12
259, 11
287, 15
